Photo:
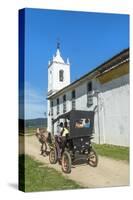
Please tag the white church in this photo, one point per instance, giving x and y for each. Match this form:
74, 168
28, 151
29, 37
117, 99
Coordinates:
105, 90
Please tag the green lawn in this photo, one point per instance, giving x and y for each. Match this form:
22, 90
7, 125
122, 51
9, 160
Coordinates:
39, 177
112, 151
31, 131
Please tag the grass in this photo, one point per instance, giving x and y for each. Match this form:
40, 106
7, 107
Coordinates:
31, 131
112, 151
35, 176
28, 131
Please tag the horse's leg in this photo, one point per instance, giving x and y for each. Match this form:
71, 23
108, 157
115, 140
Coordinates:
41, 150
44, 149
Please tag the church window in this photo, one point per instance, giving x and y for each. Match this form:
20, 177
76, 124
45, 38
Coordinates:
89, 87
51, 108
58, 107
64, 103
73, 94
89, 94
73, 100
61, 75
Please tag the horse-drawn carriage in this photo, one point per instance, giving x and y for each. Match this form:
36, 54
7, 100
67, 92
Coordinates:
78, 142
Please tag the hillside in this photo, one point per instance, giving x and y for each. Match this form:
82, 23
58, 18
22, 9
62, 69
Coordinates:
33, 123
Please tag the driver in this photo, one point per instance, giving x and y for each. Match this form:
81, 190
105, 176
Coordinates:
61, 139
64, 135
65, 130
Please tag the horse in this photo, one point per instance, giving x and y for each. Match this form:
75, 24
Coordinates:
45, 138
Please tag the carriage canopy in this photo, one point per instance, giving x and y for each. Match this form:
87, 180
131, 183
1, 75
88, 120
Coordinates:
81, 123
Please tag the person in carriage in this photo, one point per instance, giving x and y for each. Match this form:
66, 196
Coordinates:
61, 138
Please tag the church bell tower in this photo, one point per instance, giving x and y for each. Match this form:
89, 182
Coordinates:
58, 78
58, 72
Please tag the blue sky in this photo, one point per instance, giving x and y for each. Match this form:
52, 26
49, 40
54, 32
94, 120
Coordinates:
88, 39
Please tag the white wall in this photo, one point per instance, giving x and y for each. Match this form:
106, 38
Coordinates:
115, 95
112, 114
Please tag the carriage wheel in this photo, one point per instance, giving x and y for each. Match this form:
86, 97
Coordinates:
53, 156
66, 162
92, 158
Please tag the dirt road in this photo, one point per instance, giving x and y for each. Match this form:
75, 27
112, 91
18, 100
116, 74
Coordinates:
108, 173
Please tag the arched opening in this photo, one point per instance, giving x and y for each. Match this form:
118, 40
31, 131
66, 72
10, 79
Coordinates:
61, 75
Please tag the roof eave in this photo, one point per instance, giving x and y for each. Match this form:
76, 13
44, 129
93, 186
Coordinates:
123, 55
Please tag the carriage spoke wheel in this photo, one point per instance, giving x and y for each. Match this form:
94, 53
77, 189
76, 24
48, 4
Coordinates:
66, 162
92, 158
53, 156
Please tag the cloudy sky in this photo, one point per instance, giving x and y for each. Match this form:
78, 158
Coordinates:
88, 39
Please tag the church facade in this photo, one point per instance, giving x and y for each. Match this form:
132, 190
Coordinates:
104, 90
